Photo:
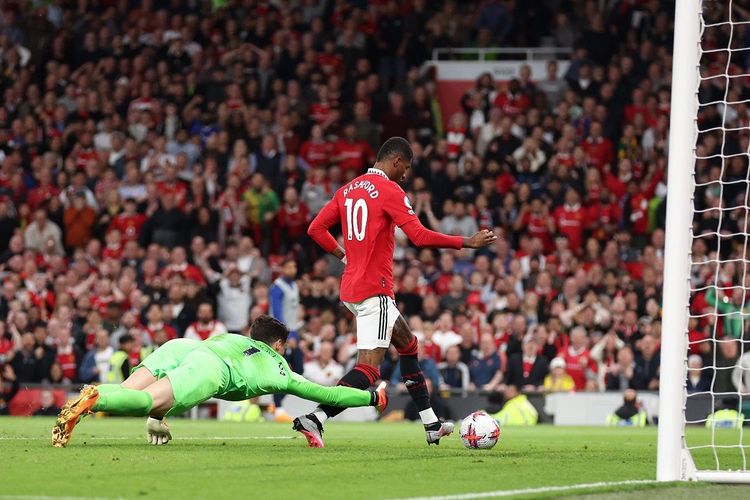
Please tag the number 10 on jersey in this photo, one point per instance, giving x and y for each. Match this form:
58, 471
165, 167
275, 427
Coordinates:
356, 218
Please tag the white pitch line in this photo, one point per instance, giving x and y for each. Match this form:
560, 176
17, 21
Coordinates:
189, 438
531, 491
43, 497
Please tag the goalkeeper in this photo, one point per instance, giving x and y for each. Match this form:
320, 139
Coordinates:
183, 373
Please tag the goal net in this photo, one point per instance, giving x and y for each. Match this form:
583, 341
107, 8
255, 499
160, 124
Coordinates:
705, 371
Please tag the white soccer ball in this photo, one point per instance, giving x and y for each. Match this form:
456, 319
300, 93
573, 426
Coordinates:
480, 431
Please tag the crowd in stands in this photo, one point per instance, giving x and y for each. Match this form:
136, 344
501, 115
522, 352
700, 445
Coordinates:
161, 161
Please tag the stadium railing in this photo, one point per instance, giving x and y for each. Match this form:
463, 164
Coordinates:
484, 54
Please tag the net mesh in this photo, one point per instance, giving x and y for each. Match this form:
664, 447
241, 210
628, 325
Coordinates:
718, 383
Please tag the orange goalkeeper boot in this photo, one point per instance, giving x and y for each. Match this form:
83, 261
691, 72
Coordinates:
382, 398
71, 413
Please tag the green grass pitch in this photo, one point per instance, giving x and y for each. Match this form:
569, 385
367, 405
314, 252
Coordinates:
109, 458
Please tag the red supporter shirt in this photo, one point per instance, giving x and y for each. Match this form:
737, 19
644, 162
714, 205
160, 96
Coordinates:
178, 189
536, 225
168, 329
442, 283
331, 64
368, 208
316, 154
639, 213
600, 151
569, 220
293, 220
45, 299
578, 363
84, 156
187, 271
128, 225
112, 252
101, 303
41, 194
67, 359
511, 104
320, 111
431, 351
352, 155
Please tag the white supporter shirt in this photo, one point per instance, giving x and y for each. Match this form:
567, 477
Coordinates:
200, 331
446, 339
102, 359
234, 304
328, 375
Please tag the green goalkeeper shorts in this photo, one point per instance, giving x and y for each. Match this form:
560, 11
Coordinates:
195, 372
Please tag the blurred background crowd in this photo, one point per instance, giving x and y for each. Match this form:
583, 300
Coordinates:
161, 161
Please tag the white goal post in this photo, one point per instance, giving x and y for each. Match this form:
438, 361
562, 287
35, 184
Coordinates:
677, 457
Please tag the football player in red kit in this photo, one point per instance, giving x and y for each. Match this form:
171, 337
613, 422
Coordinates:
368, 209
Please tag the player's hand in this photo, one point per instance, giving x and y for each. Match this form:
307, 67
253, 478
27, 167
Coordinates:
157, 431
482, 239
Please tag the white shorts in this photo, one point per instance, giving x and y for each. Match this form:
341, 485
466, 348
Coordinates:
375, 319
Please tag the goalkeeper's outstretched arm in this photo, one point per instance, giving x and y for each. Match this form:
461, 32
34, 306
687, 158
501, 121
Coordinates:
343, 397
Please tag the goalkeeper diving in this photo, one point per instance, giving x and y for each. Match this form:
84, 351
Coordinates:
184, 373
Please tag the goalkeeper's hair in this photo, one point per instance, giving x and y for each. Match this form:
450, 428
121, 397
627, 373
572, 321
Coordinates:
269, 330
395, 146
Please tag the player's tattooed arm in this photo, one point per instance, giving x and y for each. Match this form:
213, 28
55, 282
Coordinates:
480, 240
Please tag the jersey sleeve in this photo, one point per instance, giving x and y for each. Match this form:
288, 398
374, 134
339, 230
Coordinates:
343, 397
398, 207
318, 230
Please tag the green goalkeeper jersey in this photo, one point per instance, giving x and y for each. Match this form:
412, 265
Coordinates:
256, 369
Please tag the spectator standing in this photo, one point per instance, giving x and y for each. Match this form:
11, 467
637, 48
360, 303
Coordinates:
580, 365
698, 379
486, 369
205, 326
29, 364
527, 370
455, 373
43, 235
79, 220
167, 226
324, 370
262, 205
96, 363
284, 296
649, 361
233, 299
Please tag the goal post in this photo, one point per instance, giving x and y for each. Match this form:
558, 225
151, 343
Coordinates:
676, 289
722, 451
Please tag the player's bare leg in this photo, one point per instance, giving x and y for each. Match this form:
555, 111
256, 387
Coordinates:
363, 375
411, 373
162, 397
139, 379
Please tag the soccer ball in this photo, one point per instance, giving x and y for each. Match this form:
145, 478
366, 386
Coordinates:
480, 431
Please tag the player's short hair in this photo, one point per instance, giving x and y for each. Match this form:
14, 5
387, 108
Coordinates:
395, 146
269, 330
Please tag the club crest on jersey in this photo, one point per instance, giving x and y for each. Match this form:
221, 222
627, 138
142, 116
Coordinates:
408, 205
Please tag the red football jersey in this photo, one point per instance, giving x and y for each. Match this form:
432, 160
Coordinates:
128, 225
368, 208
